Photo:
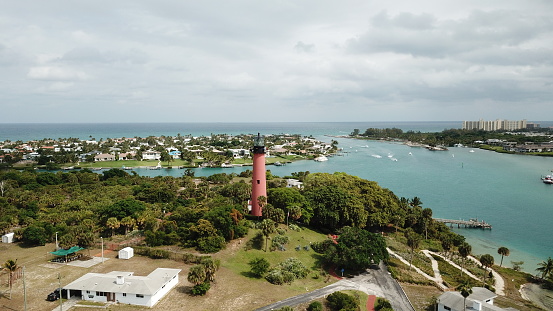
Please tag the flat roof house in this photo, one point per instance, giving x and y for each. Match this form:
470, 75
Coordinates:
481, 299
124, 287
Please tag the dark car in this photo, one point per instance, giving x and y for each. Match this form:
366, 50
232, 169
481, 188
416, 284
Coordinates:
55, 295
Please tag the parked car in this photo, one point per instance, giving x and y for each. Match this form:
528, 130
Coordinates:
55, 295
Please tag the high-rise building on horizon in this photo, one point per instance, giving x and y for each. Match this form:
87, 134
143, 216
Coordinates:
495, 125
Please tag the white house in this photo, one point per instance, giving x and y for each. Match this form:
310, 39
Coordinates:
104, 157
126, 253
124, 287
294, 183
7, 238
151, 155
481, 299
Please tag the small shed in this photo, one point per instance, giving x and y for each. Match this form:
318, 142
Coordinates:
126, 253
7, 238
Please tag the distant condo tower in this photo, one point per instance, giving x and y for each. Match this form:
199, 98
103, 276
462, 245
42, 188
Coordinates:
259, 179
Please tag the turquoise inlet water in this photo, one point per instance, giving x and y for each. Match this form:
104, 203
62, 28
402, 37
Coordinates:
503, 190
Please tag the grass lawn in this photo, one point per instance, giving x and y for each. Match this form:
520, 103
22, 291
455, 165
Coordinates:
238, 262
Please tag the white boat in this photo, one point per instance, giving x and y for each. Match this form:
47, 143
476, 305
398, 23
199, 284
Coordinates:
226, 165
547, 179
376, 156
471, 151
321, 159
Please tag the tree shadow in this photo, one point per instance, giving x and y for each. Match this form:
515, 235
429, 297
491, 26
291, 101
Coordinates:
319, 261
184, 289
250, 275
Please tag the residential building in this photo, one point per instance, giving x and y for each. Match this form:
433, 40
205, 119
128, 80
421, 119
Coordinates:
294, 183
124, 287
151, 155
496, 125
481, 299
104, 157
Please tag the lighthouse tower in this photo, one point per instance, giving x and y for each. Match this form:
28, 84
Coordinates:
259, 178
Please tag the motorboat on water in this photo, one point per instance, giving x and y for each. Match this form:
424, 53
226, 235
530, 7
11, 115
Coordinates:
547, 179
321, 159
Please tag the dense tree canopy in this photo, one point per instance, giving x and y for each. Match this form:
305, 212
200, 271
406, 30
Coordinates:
357, 249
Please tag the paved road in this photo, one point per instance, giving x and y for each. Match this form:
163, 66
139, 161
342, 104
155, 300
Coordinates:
373, 282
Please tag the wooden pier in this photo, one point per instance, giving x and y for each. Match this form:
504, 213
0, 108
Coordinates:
472, 223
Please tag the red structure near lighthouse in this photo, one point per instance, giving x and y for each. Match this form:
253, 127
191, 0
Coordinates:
259, 179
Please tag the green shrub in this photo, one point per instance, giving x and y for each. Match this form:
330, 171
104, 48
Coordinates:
211, 244
259, 266
294, 227
339, 301
382, 305
158, 253
315, 306
275, 276
201, 289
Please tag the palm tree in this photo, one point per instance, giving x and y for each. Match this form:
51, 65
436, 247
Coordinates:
197, 274
128, 222
486, 261
113, 224
267, 227
465, 289
415, 201
210, 267
11, 266
546, 268
464, 250
413, 241
503, 251
427, 219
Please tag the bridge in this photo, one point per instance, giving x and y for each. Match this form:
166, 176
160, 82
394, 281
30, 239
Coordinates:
472, 223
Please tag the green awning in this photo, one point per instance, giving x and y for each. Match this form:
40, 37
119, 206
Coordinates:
63, 252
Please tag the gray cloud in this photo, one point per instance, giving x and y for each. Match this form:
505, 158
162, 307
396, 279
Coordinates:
314, 60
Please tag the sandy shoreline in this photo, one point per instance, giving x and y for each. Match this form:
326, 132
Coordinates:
541, 297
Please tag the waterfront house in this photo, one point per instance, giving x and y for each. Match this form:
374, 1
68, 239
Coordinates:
126, 156
124, 287
151, 155
104, 157
481, 299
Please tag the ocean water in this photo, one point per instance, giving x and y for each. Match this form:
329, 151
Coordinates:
33, 131
503, 190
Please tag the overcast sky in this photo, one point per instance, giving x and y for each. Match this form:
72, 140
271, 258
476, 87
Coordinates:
277, 60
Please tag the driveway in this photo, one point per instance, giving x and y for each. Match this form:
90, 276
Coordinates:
373, 282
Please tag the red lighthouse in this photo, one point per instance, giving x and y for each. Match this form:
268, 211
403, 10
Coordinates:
259, 179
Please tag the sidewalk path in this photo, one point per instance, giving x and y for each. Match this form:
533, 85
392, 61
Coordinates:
438, 277
370, 302
499, 283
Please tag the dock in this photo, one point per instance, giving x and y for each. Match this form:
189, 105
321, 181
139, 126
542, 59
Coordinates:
472, 223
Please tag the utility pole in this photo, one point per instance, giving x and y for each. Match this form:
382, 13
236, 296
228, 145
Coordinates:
61, 295
24, 291
57, 245
102, 239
